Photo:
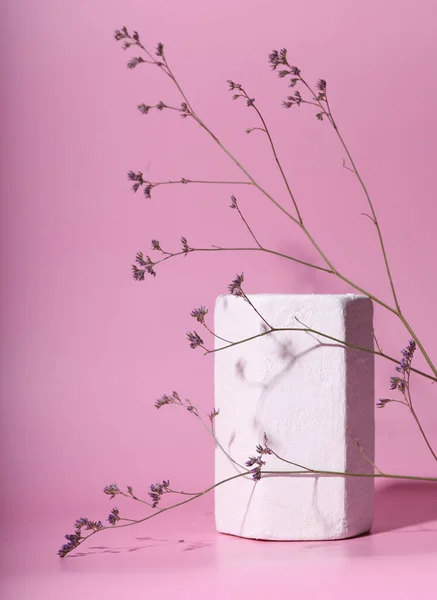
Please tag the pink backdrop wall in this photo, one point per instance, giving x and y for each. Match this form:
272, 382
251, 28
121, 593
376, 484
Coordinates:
85, 350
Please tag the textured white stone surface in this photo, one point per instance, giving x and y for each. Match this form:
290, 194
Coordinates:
313, 398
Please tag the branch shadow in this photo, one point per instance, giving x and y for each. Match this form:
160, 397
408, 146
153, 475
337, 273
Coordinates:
186, 546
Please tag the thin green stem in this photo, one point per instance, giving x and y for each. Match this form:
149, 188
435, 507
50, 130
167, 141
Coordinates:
329, 337
257, 312
221, 248
214, 437
248, 226
275, 154
304, 472
361, 449
415, 417
186, 181
275, 202
215, 335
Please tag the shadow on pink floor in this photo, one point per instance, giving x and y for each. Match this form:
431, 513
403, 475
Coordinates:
403, 504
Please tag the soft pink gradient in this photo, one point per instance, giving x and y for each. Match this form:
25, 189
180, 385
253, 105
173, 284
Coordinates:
86, 351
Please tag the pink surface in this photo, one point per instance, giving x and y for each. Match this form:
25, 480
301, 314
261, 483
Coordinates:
85, 351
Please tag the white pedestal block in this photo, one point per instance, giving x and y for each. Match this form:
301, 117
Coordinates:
313, 398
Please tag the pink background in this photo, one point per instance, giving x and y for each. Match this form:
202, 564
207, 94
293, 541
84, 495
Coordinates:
85, 351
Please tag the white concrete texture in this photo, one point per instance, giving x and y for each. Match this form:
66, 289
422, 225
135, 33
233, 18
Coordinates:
313, 398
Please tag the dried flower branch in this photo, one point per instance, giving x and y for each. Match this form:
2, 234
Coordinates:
401, 383
256, 465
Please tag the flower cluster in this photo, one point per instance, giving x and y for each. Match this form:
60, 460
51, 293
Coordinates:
234, 86
277, 59
213, 414
199, 314
194, 339
73, 542
134, 61
147, 263
256, 461
292, 100
400, 382
74, 539
174, 398
114, 516
407, 357
280, 58
235, 286
321, 86
112, 490
129, 40
166, 399
185, 247
157, 490
139, 181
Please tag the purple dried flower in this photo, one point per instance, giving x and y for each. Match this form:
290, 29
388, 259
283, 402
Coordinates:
138, 274
144, 108
250, 101
394, 382
409, 350
165, 399
157, 490
401, 382
278, 58
138, 176
160, 49
134, 61
194, 339
185, 111
382, 402
235, 286
321, 85
192, 409
199, 314
112, 490
256, 461
234, 86
291, 100
121, 34
263, 449
73, 542
213, 414
407, 357
155, 245
89, 525
114, 517
185, 246
256, 473
233, 198
147, 263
